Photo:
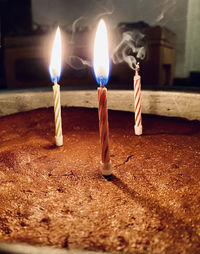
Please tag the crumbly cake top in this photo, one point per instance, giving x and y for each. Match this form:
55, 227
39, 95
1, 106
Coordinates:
57, 196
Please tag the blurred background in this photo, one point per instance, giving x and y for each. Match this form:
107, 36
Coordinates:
163, 36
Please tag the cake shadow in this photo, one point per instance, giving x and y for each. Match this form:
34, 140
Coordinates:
160, 125
166, 216
146, 133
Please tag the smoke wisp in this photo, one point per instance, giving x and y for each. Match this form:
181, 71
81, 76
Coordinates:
78, 63
130, 49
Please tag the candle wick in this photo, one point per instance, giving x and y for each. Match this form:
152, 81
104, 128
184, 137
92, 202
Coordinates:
137, 68
101, 84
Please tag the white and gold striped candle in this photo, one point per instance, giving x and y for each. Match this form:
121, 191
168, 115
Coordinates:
57, 113
55, 70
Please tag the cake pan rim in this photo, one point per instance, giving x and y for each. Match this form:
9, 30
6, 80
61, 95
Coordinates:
164, 103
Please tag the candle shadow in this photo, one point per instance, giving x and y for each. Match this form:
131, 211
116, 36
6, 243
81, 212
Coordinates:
164, 214
51, 147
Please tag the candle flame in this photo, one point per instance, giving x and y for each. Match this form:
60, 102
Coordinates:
55, 63
101, 65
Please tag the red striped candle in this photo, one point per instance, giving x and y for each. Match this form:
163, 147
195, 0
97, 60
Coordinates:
137, 98
101, 67
104, 131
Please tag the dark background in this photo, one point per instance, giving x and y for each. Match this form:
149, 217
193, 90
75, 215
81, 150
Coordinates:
27, 28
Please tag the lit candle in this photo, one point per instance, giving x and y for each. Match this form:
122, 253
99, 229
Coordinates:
137, 98
101, 70
55, 71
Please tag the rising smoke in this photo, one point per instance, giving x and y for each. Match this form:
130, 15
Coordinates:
131, 46
74, 61
78, 63
130, 49
74, 28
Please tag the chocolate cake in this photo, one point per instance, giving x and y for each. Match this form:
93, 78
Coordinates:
56, 196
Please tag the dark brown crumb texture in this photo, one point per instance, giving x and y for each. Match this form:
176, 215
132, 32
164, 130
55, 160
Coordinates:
58, 197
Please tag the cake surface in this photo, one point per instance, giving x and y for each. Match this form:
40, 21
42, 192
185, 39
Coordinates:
57, 196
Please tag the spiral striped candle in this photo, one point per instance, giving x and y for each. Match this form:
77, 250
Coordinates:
104, 131
57, 113
137, 98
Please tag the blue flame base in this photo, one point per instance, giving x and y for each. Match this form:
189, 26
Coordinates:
55, 79
102, 81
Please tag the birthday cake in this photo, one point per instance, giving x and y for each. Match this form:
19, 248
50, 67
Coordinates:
56, 196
